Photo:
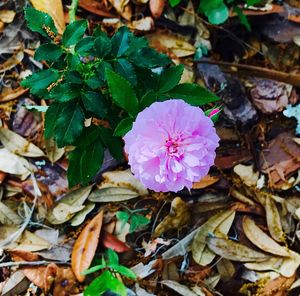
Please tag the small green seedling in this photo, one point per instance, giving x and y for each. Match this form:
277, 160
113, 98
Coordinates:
108, 281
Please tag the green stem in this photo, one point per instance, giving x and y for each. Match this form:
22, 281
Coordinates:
72, 11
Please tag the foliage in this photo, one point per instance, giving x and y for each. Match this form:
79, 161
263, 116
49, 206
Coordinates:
108, 80
107, 280
136, 221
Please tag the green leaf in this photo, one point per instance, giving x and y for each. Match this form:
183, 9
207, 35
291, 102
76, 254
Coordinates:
112, 257
149, 58
93, 269
81, 169
173, 3
49, 52
36, 108
114, 144
73, 77
84, 46
136, 43
123, 270
38, 21
148, 99
123, 127
65, 92
69, 124
95, 82
126, 70
137, 222
104, 283
242, 17
193, 94
53, 112
123, 216
170, 78
215, 10
120, 41
103, 46
74, 32
40, 80
73, 62
94, 102
121, 92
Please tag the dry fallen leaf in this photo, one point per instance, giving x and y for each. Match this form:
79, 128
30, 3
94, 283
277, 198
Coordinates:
7, 16
85, 246
235, 251
18, 145
178, 217
199, 241
262, 240
55, 9
205, 182
247, 174
156, 7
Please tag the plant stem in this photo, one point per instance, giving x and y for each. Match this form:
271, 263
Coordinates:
72, 11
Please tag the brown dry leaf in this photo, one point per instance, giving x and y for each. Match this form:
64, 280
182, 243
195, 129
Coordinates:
276, 287
247, 174
65, 283
205, 182
123, 8
96, 7
279, 159
157, 7
178, 217
171, 44
8, 216
232, 158
10, 63
145, 24
179, 288
226, 269
12, 94
55, 9
53, 152
286, 266
7, 16
199, 241
274, 221
262, 240
19, 145
241, 197
85, 246
235, 251
15, 285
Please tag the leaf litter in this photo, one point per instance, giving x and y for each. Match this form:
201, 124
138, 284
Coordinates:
236, 232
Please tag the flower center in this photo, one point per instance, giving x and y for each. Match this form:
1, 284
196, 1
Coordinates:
173, 146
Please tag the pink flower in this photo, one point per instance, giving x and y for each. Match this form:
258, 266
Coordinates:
171, 145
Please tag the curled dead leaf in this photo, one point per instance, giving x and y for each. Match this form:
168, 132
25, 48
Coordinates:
262, 240
85, 246
156, 7
178, 217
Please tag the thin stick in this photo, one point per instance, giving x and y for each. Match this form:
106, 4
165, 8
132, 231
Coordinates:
250, 70
32, 263
72, 11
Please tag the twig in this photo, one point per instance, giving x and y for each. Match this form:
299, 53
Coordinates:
249, 70
32, 263
72, 11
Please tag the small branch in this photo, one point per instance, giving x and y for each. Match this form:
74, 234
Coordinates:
249, 70
28, 263
72, 11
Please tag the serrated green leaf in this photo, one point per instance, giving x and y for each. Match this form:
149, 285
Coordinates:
123, 270
74, 32
122, 92
40, 80
149, 58
103, 283
193, 94
123, 127
52, 114
94, 102
94, 82
126, 70
73, 62
65, 92
49, 52
170, 78
149, 98
120, 41
103, 46
38, 21
88, 168
84, 46
112, 257
73, 77
81, 169
114, 144
69, 124
136, 43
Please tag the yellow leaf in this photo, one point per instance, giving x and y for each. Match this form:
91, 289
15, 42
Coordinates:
55, 9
